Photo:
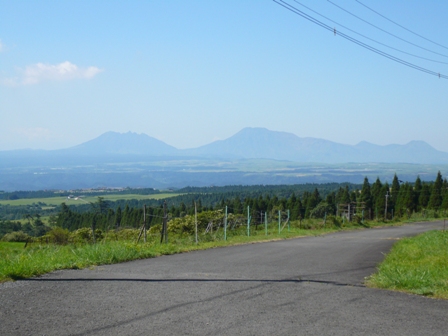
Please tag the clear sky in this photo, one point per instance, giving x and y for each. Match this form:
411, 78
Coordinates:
191, 72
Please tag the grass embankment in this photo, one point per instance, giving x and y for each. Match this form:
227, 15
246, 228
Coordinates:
17, 262
417, 265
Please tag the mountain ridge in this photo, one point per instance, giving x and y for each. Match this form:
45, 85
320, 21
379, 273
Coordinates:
248, 143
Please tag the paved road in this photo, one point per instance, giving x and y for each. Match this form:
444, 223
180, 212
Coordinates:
306, 286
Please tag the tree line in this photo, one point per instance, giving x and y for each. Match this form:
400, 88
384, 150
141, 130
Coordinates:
373, 200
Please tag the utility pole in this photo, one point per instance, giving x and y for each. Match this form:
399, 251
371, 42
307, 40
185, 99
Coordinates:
165, 219
265, 224
164, 233
248, 221
349, 213
196, 222
279, 218
144, 223
225, 226
385, 209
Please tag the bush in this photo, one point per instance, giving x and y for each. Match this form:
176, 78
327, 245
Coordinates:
84, 235
17, 236
58, 236
124, 234
335, 221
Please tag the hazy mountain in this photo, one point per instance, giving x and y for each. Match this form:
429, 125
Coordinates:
249, 143
263, 143
251, 156
113, 143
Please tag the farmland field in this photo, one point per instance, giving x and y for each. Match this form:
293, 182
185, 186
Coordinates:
55, 201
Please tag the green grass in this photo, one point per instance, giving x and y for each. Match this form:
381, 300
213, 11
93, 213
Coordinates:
55, 201
19, 263
416, 265
7, 248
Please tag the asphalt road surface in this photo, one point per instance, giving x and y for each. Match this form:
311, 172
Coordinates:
305, 286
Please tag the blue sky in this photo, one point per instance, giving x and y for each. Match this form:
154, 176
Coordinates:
191, 72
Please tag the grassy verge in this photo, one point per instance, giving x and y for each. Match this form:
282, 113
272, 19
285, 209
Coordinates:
17, 262
416, 265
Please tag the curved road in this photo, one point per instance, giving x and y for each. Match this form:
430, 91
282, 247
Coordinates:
305, 286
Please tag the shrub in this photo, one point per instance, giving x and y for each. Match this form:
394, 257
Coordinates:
84, 235
16, 236
124, 234
58, 236
335, 221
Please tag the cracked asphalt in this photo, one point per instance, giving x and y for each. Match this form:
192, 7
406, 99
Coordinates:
304, 286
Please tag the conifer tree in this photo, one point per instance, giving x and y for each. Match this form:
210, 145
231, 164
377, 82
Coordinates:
424, 196
444, 205
417, 192
435, 199
312, 202
125, 220
395, 189
375, 191
380, 202
366, 197
345, 195
117, 219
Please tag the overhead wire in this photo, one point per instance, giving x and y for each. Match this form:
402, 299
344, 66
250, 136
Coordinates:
385, 31
399, 25
368, 38
351, 39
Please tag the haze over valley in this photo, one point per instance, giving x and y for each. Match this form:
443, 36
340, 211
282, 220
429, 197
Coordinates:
251, 156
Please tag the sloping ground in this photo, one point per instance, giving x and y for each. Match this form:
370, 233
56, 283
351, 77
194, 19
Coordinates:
308, 286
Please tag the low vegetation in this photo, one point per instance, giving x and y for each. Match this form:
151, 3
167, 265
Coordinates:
62, 249
106, 231
416, 265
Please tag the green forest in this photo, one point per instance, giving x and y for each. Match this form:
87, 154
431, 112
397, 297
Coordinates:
368, 201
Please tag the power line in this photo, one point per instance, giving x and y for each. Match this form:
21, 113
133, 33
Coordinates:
385, 31
366, 37
399, 25
351, 39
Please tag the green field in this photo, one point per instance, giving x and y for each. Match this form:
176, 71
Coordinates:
417, 265
8, 248
19, 263
55, 201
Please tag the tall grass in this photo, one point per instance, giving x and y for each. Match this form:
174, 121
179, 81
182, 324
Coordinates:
416, 265
38, 258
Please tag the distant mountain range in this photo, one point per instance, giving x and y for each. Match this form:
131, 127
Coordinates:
256, 143
249, 143
252, 156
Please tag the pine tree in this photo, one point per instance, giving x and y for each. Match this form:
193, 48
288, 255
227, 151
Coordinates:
375, 191
380, 201
444, 205
366, 196
399, 202
417, 192
117, 219
424, 196
313, 201
394, 192
435, 199
345, 197
409, 202
125, 220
